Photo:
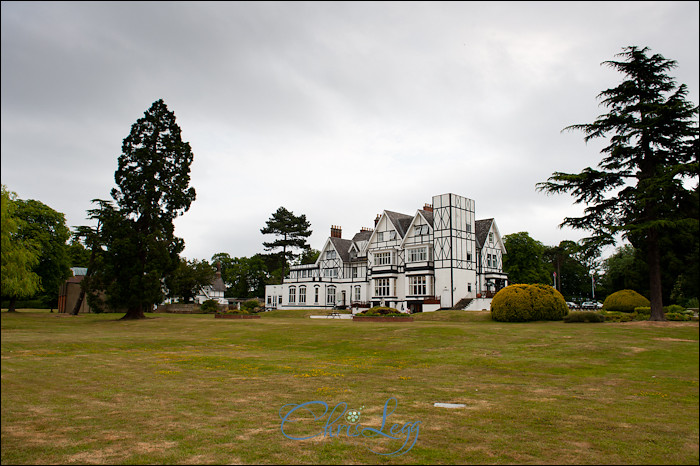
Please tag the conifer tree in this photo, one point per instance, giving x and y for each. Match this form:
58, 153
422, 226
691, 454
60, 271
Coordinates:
648, 174
291, 232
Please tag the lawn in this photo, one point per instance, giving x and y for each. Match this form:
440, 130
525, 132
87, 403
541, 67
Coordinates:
185, 389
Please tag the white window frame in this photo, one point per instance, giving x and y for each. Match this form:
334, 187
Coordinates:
382, 287
302, 295
418, 285
383, 258
330, 295
418, 254
292, 294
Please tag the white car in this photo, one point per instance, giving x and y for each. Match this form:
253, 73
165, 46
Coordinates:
591, 305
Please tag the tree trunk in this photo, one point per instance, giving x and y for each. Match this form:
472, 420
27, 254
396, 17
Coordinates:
134, 313
13, 303
657, 306
78, 303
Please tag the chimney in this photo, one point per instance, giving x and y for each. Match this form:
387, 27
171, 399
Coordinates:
428, 207
376, 220
336, 232
366, 229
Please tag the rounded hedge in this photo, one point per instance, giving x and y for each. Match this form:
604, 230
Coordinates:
625, 301
523, 303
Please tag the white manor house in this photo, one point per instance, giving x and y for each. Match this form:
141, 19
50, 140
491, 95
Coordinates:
440, 257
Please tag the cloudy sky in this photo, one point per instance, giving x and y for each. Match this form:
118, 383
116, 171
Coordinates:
333, 110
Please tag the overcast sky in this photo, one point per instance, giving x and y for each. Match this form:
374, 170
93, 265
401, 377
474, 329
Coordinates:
333, 110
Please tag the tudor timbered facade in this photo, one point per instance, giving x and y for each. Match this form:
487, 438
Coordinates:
414, 263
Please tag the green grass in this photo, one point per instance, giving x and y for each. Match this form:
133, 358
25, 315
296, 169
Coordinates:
186, 389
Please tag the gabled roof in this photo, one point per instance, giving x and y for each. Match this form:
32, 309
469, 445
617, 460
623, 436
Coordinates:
482, 230
427, 215
400, 221
362, 235
342, 246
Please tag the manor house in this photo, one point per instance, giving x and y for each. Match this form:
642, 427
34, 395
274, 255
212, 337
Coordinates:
440, 257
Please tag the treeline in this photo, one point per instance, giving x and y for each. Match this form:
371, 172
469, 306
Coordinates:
579, 276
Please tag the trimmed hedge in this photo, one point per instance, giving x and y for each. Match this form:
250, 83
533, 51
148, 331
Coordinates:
625, 301
381, 311
524, 303
585, 316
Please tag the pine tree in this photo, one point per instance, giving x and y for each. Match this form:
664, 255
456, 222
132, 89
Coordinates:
642, 183
291, 231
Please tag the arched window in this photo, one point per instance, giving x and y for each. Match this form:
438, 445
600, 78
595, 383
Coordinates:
292, 294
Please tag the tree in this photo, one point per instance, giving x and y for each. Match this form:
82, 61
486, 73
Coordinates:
525, 262
137, 241
188, 278
640, 187
47, 229
310, 256
291, 231
625, 270
572, 279
19, 255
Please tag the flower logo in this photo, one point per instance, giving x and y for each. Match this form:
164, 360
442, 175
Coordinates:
353, 415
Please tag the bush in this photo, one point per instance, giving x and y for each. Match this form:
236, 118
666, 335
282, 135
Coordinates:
617, 316
209, 306
677, 316
523, 303
237, 311
585, 316
674, 309
625, 301
381, 311
251, 305
643, 310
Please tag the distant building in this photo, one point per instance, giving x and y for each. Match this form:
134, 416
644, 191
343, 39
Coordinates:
214, 291
439, 257
69, 292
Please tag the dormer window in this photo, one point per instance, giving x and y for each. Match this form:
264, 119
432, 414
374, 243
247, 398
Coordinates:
420, 230
392, 235
330, 254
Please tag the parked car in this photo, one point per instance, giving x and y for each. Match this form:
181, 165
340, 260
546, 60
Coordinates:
591, 305
572, 305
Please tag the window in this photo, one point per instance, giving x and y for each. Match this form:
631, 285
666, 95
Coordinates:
469, 287
316, 295
417, 254
330, 254
292, 294
382, 287
382, 258
392, 235
358, 295
418, 285
330, 273
380, 236
490, 237
302, 294
469, 257
354, 272
420, 230
330, 295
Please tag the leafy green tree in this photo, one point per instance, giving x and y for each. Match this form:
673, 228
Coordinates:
572, 275
138, 245
47, 229
526, 262
310, 256
640, 187
78, 254
625, 270
19, 254
188, 278
291, 232
248, 277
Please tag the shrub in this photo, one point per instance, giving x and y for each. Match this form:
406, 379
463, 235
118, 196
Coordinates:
585, 316
250, 305
237, 311
643, 310
677, 316
209, 306
380, 311
617, 316
523, 303
674, 309
625, 301
692, 303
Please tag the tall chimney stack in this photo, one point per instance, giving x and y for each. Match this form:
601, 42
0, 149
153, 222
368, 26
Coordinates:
376, 220
428, 207
336, 232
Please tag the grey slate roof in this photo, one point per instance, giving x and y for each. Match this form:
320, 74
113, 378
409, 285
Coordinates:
482, 230
342, 246
400, 221
428, 216
362, 236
